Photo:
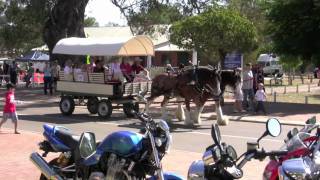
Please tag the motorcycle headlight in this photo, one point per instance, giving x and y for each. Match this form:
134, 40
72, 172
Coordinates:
158, 141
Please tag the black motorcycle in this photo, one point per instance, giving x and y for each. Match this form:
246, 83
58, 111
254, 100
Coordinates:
220, 161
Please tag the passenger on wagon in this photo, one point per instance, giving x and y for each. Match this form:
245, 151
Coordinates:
99, 67
137, 67
126, 70
115, 70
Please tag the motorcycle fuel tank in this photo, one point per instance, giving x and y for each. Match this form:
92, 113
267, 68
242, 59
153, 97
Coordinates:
123, 143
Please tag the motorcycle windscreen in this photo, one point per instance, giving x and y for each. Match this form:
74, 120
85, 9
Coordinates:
122, 143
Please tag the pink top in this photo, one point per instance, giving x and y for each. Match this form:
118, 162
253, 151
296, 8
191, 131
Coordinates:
126, 68
10, 105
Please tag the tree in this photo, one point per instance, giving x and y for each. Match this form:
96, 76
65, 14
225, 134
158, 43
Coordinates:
66, 19
21, 24
294, 27
90, 22
219, 31
143, 15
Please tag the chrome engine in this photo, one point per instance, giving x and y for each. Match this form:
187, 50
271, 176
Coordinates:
118, 168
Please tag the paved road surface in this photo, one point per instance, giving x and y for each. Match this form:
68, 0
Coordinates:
188, 144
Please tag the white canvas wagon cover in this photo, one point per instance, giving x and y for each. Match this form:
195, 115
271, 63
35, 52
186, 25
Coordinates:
128, 46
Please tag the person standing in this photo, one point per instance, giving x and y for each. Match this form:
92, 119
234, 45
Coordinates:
9, 110
1, 75
47, 78
247, 87
55, 73
260, 98
29, 74
13, 73
238, 96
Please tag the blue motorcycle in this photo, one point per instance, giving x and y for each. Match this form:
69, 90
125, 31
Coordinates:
122, 155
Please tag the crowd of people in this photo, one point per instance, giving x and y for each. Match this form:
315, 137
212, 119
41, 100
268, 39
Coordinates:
117, 70
251, 96
8, 73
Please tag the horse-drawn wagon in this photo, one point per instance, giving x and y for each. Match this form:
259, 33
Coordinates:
94, 89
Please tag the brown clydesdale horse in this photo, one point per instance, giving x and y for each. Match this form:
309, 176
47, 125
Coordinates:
179, 86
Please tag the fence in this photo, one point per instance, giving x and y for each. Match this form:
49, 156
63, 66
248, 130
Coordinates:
297, 94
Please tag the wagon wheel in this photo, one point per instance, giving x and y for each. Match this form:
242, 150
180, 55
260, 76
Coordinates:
128, 107
67, 105
92, 105
105, 108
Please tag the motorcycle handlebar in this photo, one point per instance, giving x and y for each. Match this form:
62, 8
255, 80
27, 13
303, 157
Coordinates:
141, 116
277, 153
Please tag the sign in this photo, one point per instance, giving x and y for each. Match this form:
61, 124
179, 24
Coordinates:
233, 61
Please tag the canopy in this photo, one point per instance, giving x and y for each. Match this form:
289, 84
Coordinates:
34, 56
127, 46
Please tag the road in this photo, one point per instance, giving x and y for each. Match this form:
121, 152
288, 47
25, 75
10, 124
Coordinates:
188, 143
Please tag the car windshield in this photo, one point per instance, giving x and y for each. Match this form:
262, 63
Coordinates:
296, 142
273, 63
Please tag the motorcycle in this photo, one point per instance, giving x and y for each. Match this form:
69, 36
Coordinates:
306, 167
298, 143
220, 161
122, 155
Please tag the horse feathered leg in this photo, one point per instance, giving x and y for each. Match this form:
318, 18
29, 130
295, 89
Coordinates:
164, 111
188, 120
180, 114
221, 120
198, 114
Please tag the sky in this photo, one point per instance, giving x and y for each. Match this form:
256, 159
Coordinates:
104, 12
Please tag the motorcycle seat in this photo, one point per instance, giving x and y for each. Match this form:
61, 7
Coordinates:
67, 137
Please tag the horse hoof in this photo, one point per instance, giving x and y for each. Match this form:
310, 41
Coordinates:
188, 124
223, 122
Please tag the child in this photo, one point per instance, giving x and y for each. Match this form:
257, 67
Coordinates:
238, 96
260, 98
9, 110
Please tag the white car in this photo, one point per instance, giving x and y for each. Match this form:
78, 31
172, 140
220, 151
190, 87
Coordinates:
270, 64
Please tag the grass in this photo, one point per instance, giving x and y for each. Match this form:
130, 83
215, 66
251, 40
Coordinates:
313, 97
296, 81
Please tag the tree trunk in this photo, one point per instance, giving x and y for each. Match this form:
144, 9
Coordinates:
222, 55
66, 19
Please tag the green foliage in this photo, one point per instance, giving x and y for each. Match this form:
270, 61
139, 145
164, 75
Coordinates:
294, 27
290, 62
149, 16
90, 22
217, 31
21, 24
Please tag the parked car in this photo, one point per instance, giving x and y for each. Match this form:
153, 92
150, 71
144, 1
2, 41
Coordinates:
270, 64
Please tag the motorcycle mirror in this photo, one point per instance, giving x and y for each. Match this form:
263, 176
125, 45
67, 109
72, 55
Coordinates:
273, 127
216, 136
87, 145
232, 152
312, 120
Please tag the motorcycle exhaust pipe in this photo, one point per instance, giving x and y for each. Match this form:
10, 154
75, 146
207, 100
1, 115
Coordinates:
44, 167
